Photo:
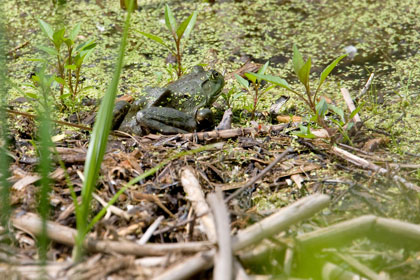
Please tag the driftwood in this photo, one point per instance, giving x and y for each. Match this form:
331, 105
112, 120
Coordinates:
269, 226
31, 224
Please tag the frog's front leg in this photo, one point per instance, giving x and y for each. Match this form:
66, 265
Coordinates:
166, 120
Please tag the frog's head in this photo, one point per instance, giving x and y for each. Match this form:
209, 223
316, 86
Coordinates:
212, 86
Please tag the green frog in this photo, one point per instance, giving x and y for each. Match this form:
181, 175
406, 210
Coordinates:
180, 107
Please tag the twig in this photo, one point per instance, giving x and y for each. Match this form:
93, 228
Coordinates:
223, 261
230, 133
333, 271
196, 196
350, 105
113, 209
366, 164
363, 269
149, 232
83, 127
31, 223
273, 224
240, 271
366, 87
24, 44
339, 234
260, 175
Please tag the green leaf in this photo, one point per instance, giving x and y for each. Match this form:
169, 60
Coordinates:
155, 38
186, 26
263, 68
58, 38
170, 19
356, 111
250, 76
71, 67
74, 32
274, 80
46, 28
97, 146
242, 81
298, 61
304, 73
305, 132
328, 70
31, 95
48, 50
338, 111
82, 56
321, 108
61, 81
68, 42
86, 45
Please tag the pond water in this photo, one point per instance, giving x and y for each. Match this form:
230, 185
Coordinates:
228, 33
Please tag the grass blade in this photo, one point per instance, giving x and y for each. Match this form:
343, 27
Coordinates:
5, 209
44, 167
97, 145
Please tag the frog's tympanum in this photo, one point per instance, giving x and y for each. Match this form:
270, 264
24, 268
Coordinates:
182, 106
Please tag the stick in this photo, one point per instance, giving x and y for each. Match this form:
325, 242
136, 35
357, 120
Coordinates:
350, 105
223, 262
230, 133
366, 87
196, 196
299, 210
149, 232
260, 175
366, 164
31, 223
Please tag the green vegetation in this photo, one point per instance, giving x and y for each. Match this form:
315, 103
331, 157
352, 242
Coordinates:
97, 146
69, 60
255, 88
5, 208
45, 162
178, 32
319, 109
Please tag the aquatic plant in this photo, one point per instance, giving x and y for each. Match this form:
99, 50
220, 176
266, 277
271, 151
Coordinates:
68, 57
319, 108
254, 87
178, 32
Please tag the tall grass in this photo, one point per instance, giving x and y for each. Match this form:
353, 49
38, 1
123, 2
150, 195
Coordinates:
44, 151
5, 209
97, 146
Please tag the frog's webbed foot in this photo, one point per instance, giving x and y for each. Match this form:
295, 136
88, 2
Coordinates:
165, 120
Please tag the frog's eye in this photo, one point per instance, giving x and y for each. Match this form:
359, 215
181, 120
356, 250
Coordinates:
214, 75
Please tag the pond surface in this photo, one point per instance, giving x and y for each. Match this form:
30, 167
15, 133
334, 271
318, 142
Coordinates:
229, 33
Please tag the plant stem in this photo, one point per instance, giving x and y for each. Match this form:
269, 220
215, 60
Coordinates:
178, 56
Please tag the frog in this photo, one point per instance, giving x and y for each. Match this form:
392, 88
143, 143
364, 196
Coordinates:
180, 107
